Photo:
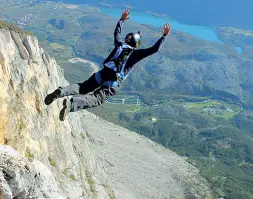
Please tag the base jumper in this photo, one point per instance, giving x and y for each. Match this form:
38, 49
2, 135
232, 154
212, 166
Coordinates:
117, 66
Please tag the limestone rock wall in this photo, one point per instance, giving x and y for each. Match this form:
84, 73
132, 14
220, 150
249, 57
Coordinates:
24, 178
27, 74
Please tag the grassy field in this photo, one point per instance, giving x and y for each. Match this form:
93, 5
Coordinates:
190, 105
212, 107
124, 107
207, 108
58, 46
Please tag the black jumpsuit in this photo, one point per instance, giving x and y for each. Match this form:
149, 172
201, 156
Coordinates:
90, 93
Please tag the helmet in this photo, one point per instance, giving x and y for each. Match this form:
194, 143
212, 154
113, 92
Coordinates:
133, 39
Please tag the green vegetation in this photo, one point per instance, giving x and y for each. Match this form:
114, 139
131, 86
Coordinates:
124, 103
213, 108
241, 38
124, 107
52, 162
229, 115
29, 154
75, 72
72, 177
82, 135
20, 126
58, 46
91, 182
233, 30
65, 172
11, 26
202, 104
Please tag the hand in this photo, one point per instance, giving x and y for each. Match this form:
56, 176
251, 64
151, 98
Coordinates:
167, 29
125, 14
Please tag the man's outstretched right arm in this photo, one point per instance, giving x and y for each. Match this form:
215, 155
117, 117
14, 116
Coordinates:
118, 29
117, 32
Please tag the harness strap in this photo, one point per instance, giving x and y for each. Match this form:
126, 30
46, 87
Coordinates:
121, 75
111, 64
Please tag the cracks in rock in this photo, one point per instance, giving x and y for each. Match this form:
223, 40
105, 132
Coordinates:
12, 85
45, 58
2, 61
27, 46
19, 44
21, 195
7, 177
37, 103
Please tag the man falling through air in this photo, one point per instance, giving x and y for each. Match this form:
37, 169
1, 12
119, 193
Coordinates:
117, 66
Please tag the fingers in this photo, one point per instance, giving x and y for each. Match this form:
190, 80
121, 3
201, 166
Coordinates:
167, 28
126, 11
125, 14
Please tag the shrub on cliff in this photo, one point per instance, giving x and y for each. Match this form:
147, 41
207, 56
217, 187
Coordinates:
14, 27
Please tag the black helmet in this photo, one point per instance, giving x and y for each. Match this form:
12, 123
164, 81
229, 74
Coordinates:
133, 39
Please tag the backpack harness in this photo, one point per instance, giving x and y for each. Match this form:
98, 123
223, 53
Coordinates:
117, 63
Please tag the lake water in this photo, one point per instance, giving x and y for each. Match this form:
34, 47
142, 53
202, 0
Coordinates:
239, 50
202, 32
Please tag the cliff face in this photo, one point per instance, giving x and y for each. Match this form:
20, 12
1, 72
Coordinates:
21, 178
82, 157
27, 74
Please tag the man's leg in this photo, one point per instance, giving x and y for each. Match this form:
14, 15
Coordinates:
90, 100
73, 89
81, 88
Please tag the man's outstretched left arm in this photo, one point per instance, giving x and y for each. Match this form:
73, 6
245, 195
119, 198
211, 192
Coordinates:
143, 53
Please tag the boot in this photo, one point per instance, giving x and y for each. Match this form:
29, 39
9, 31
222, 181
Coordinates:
53, 96
65, 110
